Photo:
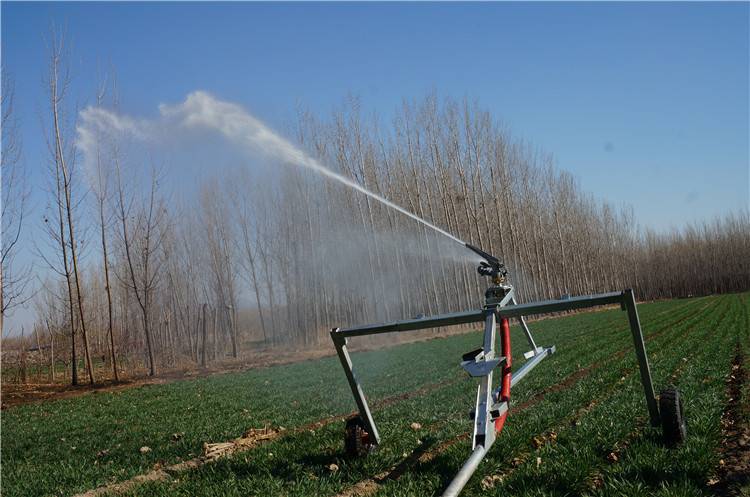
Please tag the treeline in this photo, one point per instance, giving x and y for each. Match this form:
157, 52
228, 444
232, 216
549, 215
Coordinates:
700, 259
259, 260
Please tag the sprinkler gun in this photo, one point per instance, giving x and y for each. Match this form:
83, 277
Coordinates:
490, 266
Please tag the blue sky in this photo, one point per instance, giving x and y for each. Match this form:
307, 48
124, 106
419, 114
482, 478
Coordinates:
646, 103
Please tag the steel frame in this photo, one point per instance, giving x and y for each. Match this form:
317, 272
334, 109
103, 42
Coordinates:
482, 362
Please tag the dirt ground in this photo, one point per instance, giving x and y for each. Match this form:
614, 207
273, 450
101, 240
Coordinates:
733, 477
15, 394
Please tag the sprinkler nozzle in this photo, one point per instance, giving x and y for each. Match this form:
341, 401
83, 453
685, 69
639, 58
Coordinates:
490, 266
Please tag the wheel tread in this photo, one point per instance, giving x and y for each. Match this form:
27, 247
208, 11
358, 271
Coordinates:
672, 416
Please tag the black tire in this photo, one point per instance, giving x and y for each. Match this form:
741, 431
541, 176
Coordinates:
672, 417
356, 439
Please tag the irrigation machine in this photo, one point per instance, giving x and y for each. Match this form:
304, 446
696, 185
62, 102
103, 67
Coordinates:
492, 403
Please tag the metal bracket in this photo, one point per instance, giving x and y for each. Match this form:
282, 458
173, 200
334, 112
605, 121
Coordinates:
484, 428
477, 364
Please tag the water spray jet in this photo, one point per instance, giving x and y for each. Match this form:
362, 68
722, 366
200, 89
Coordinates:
202, 110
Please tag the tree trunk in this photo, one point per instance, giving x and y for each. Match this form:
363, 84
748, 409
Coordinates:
233, 330
203, 335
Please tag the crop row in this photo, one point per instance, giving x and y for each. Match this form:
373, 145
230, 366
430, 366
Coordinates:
102, 433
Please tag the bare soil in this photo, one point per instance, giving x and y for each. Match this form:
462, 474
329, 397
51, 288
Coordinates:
733, 477
15, 394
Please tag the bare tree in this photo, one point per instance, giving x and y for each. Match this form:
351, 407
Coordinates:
13, 280
221, 258
101, 185
141, 241
59, 81
247, 243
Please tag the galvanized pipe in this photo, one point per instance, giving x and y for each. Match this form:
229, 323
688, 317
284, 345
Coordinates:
468, 469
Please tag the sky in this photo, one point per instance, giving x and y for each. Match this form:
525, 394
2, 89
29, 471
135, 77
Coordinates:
645, 103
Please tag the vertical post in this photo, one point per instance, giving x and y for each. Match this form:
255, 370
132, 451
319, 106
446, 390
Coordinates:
359, 395
640, 352
484, 428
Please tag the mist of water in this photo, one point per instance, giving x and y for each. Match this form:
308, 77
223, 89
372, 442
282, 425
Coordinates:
401, 257
236, 124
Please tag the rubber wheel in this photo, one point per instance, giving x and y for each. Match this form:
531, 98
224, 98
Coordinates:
672, 417
356, 439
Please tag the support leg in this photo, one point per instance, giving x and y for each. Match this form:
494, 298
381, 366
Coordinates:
640, 352
526, 331
359, 395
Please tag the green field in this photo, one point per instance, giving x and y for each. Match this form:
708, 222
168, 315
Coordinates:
578, 423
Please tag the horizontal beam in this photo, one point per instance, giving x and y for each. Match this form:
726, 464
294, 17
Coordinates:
570, 304
507, 311
416, 324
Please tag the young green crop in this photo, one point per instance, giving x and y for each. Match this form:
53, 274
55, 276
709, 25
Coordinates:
67, 446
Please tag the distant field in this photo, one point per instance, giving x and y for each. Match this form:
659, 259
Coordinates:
577, 426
